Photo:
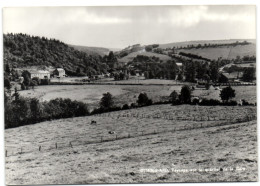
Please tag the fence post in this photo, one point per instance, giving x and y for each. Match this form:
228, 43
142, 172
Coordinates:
71, 145
56, 145
5, 153
40, 148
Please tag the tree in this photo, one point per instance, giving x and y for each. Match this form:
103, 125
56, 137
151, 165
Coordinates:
143, 99
227, 93
185, 96
7, 83
180, 77
33, 84
249, 74
36, 109
7, 68
174, 97
26, 77
106, 101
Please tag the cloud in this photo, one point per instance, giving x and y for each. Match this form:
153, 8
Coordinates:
188, 16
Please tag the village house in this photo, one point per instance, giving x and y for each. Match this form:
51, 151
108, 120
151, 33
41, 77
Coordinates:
59, 72
41, 74
231, 77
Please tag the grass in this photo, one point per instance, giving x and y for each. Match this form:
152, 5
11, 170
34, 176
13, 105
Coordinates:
132, 55
127, 94
242, 92
223, 52
91, 94
120, 161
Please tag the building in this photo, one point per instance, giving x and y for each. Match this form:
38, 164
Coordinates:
231, 77
59, 72
41, 74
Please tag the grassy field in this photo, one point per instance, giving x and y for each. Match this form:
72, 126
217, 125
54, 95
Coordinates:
127, 94
242, 92
91, 94
224, 52
162, 137
132, 55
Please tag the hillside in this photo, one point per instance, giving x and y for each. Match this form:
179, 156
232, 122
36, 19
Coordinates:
226, 52
21, 50
132, 55
98, 51
145, 138
202, 42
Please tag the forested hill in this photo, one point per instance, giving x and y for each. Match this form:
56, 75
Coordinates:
21, 50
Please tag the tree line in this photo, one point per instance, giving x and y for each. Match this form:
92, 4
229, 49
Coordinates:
22, 50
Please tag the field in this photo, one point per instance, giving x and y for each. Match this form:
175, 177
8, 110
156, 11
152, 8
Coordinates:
182, 143
127, 94
91, 94
224, 52
132, 55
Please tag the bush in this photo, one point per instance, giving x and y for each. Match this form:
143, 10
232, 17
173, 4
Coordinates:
230, 103
244, 102
106, 101
195, 101
227, 93
211, 102
185, 96
45, 82
143, 100
22, 111
37, 80
23, 86
125, 107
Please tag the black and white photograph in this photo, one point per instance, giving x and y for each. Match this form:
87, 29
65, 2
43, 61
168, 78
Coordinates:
129, 94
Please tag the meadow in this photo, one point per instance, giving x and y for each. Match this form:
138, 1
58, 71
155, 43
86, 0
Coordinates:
158, 137
127, 94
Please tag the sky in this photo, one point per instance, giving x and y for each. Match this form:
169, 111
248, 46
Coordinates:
119, 27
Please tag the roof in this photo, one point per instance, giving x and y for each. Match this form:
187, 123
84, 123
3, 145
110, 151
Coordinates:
233, 75
38, 71
60, 69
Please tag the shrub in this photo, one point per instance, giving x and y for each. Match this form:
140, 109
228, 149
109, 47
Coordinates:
133, 105
23, 86
143, 100
195, 101
45, 82
106, 101
125, 107
227, 93
37, 80
210, 102
230, 103
185, 96
244, 102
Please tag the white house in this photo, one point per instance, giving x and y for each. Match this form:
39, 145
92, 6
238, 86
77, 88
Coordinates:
60, 72
41, 74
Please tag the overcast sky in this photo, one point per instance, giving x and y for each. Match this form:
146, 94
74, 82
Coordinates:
119, 27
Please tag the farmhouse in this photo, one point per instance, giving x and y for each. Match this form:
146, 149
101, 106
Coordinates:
41, 74
231, 77
59, 72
